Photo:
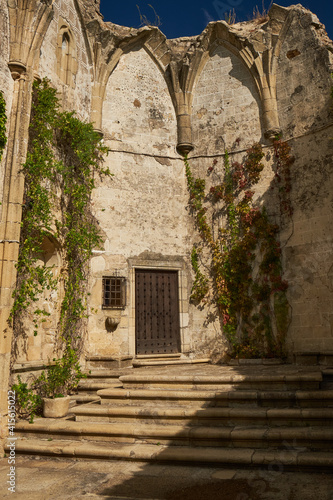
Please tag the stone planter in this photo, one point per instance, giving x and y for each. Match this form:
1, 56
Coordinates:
56, 408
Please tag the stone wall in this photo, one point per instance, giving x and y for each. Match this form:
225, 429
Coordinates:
68, 68
142, 209
224, 89
6, 81
305, 111
226, 105
72, 77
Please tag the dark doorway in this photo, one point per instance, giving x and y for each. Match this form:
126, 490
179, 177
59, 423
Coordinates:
157, 328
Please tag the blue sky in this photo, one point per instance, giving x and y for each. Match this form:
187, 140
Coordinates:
190, 17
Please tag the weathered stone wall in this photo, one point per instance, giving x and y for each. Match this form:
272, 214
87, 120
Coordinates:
74, 95
308, 252
141, 210
305, 110
6, 81
224, 88
74, 80
226, 105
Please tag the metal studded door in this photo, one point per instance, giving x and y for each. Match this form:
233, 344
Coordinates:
156, 312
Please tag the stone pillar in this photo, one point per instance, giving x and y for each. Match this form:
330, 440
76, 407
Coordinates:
181, 100
270, 113
10, 225
184, 144
97, 106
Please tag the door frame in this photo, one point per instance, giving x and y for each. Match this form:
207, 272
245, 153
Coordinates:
160, 265
155, 306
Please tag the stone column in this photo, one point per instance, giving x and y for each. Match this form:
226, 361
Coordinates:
10, 225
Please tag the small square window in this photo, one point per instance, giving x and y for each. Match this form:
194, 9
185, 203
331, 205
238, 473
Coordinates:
114, 292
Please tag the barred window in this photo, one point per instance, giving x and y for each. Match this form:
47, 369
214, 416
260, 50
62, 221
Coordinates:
114, 292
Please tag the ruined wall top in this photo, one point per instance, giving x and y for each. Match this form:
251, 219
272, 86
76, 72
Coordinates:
258, 33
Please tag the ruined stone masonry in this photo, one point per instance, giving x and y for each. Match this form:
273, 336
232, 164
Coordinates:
154, 100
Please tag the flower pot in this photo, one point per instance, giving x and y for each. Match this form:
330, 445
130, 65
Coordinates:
56, 408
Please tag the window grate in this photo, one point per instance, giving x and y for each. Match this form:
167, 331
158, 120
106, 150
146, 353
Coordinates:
114, 292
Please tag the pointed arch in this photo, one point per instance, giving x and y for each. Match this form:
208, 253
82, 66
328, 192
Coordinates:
67, 65
29, 21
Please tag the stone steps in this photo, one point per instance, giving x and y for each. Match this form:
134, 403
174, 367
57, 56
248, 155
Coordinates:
91, 386
200, 398
107, 362
289, 458
203, 413
82, 399
306, 438
104, 374
169, 362
284, 382
192, 416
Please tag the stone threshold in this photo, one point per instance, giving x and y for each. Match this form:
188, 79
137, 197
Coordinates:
161, 362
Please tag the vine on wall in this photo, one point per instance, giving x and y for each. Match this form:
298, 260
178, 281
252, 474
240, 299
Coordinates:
3, 121
64, 156
244, 257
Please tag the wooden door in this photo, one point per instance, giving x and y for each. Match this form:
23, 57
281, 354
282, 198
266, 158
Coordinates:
157, 326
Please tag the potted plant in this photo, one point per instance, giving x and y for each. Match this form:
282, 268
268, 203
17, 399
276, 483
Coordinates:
58, 382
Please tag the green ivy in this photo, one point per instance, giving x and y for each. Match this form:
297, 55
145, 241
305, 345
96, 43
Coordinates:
64, 157
3, 121
251, 305
200, 286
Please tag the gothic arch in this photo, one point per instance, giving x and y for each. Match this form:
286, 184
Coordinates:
67, 66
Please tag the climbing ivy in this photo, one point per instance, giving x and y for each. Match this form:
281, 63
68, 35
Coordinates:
64, 157
251, 303
3, 121
201, 284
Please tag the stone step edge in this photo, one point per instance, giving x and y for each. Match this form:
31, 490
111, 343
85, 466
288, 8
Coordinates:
197, 413
155, 356
223, 379
96, 357
215, 394
138, 364
154, 431
82, 399
287, 458
104, 373
97, 385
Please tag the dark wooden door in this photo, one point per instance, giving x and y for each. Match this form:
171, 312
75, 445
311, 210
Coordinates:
156, 312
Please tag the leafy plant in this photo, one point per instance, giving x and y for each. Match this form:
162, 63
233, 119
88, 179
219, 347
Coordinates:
201, 284
64, 157
62, 378
252, 305
28, 403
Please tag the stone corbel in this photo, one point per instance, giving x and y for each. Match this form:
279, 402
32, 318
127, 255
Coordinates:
17, 69
181, 103
112, 321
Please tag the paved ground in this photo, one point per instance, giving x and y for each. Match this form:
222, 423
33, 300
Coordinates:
54, 479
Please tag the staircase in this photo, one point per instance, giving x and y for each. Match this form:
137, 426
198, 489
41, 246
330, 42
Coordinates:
249, 416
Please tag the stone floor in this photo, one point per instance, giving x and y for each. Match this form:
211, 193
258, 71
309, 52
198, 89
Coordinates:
43, 479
